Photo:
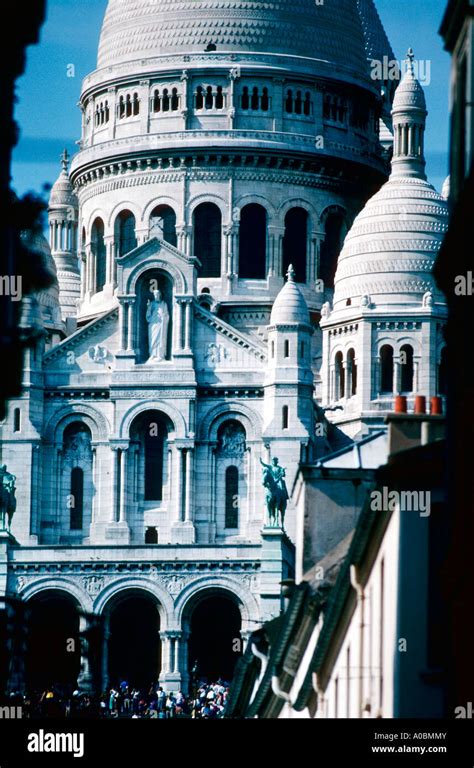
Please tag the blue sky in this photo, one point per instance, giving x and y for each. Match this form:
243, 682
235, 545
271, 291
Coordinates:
49, 118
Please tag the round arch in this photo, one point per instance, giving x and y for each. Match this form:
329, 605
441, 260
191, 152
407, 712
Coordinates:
178, 279
121, 588
205, 197
250, 420
298, 202
197, 590
156, 202
64, 586
117, 210
95, 420
333, 208
255, 199
162, 406
87, 223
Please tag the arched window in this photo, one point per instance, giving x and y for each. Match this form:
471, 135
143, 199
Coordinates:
287, 348
289, 102
352, 372
245, 100
174, 100
165, 104
443, 372
125, 232
284, 417
265, 100
154, 437
99, 253
77, 499
255, 99
253, 242
17, 420
209, 103
219, 98
335, 230
163, 224
199, 97
76, 477
121, 107
128, 105
136, 104
208, 239
340, 376
308, 105
156, 101
386, 369
232, 497
407, 368
295, 243
298, 103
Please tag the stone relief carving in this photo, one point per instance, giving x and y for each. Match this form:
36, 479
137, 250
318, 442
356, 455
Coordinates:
99, 354
217, 353
231, 441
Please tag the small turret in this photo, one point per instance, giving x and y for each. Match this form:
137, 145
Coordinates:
63, 213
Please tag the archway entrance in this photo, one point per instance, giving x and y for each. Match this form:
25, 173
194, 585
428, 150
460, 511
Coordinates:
54, 653
134, 649
214, 640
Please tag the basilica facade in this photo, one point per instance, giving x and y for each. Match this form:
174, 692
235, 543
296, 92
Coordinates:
226, 150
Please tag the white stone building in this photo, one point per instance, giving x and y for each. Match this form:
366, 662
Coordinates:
221, 143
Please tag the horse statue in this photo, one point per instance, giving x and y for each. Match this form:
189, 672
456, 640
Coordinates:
7, 498
276, 497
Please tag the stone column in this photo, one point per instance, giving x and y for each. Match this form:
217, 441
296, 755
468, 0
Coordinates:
130, 325
179, 501
123, 325
185, 107
188, 325
178, 327
277, 102
94, 483
189, 485
109, 246
396, 377
113, 500
123, 484
85, 678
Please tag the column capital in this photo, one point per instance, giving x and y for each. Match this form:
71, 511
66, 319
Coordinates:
120, 445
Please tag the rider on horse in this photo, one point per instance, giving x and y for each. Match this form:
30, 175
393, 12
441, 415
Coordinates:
277, 493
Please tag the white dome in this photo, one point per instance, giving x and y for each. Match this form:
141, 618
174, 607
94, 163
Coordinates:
290, 306
62, 192
409, 94
391, 248
142, 29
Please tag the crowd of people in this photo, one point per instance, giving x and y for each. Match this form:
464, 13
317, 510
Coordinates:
206, 701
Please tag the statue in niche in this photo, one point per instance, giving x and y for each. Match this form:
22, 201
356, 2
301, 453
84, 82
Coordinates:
232, 441
157, 317
77, 446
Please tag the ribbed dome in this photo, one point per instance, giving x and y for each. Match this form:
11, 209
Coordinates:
62, 192
290, 305
409, 94
391, 248
141, 29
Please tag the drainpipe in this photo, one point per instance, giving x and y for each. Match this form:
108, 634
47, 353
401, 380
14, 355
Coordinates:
361, 600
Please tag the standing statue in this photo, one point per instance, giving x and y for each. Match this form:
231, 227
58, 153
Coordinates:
157, 317
277, 494
7, 498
